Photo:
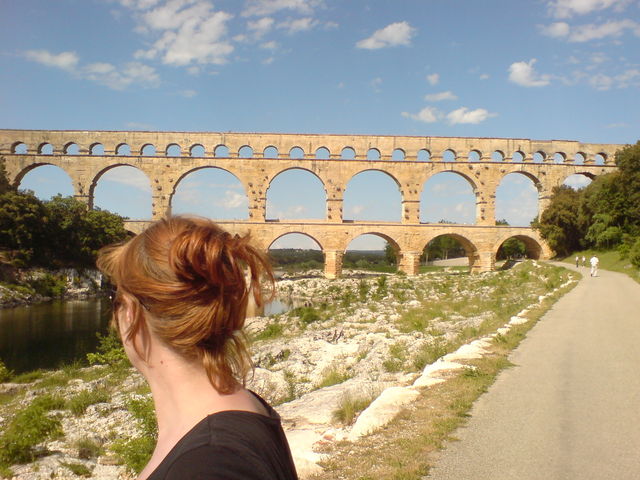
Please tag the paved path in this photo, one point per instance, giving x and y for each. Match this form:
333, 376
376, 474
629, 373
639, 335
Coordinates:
570, 409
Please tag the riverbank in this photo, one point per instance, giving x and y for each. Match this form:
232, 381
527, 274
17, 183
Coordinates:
321, 365
37, 285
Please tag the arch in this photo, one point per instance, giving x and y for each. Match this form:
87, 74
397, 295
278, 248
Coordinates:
71, 148
559, 157
197, 150
19, 148
270, 152
533, 249
123, 149
45, 149
210, 192
348, 153
323, 153
518, 156
46, 181
579, 158
517, 198
296, 240
221, 151
295, 193
373, 154
440, 247
398, 154
600, 158
449, 155
578, 181
96, 149
245, 152
370, 195
424, 155
448, 197
296, 153
366, 250
173, 150
123, 189
539, 157
474, 156
148, 150
498, 156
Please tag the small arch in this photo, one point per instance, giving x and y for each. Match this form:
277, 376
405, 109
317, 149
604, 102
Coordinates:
372, 195
323, 153
518, 246
474, 156
367, 251
270, 152
47, 181
518, 157
424, 155
348, 153
600, 159
173, 150
559, 157
19, 148
221, 151
296, 193
211, 192
45, 149
579, 158
497, 156
197, 150
123, 149
449, 250
96, 149
296, 153
538, 157
373, 154
148, 150
245, 152
398, 154
449, 155
71, 148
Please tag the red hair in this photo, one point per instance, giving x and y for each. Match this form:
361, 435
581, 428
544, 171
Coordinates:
194, 279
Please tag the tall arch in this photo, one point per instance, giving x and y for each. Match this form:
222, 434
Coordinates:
123, 189
517, 199
448, 197
296, 193
46, 181
372, 195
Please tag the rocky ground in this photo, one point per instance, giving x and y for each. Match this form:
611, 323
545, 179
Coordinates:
349, 342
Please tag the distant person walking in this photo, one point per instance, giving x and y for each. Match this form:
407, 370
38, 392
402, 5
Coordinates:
577, 261
584, 261
594, 261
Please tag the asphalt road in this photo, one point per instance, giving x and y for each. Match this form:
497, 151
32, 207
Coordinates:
570, 408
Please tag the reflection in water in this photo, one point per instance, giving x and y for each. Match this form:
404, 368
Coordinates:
49, 334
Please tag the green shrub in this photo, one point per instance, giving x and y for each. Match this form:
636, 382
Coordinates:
333, 376
136, 452
5, 373
88, 448
28, 377
349, 407
273, 330
29, 427
307, 315
109, 351
49, 285
79, 403
634, 253
77, 469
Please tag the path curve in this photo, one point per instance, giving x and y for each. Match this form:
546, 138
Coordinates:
570, 408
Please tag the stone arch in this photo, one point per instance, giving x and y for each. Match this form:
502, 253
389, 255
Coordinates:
424, 155
468, 210
559, 157
449, 155
270, 152
148, 150
348, 153
358, 236
296, 153
539, 157
197, 150
533, 248
45, 148
373, 154
579, 158
578, 180
398, 154
375, 184
469, 247
513, 192
221, 151
71, 148
231, 198
518, 156
96, 149
123, 149
308, 191
30, 168
173, 150
245, 151
600, 158
281, 235
130, 186
323, 153
19, 148
498, 156
474, 155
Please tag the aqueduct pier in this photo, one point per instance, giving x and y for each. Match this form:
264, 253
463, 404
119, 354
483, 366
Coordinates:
257, 158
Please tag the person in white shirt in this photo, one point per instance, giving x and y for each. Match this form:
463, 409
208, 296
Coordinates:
594, 261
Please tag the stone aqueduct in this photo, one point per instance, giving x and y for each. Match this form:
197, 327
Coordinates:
257, 158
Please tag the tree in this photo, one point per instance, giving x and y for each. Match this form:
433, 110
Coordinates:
560, 224
628, 162
5, 186
23, 224
390, 254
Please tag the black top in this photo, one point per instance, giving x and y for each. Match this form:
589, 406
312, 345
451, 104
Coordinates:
231, 445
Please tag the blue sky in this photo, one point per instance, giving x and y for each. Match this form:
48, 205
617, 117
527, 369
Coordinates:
558, 69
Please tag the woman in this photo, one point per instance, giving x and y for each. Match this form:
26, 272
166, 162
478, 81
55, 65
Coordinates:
182, 288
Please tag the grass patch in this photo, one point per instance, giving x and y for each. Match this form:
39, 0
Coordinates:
88, 448
79, 403
350, 406
78, 469
272, 331
333, 375
136, 452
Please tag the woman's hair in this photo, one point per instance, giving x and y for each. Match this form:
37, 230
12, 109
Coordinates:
195, 280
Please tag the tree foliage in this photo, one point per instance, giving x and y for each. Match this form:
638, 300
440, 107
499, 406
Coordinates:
60, 232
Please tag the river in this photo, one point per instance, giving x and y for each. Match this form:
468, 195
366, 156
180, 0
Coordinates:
47, 335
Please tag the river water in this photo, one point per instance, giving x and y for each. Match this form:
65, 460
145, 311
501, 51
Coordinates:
49, 334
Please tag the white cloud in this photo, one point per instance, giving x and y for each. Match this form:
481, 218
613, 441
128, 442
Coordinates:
272, 45
523, 74
129, 176
569, 8
426, 115
375, 84
64, 60
188, 93
232, 200
438, 97
261, 27
556, 30
629, 78
464, 115
617, 125
298, 25
585, 33
484, 76
433, 79
258, 8
392, 35
132, 73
